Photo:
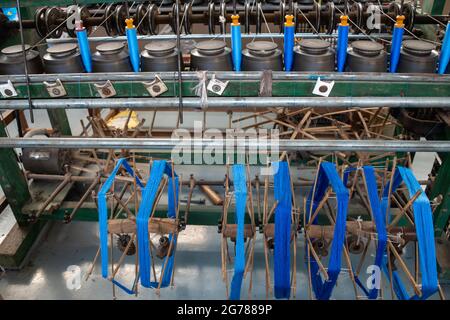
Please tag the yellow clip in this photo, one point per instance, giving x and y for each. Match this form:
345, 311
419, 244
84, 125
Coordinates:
399, 23
344, 21
235, 20
129, 23
289, 20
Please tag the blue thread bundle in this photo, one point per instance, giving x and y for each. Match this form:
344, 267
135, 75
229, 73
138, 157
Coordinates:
328, 175
282, 188
240, 194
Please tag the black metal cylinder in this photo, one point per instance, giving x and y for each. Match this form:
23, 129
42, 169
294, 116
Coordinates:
63, 58
212, 55
111, 57
417, 56
313, 55
159, 56
366, 56
12, 62
262, 55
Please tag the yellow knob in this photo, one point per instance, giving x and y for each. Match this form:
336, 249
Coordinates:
129, 23
235, 19
344, 21
399, 23
289, 20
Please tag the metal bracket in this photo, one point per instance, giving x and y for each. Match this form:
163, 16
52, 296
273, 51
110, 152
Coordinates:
323, 88
156, 88
105, 90
55, 89
7, 90
216, 86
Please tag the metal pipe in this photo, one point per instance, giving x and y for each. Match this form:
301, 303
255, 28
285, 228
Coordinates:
231, 103
227, 75
250, 145
166, 37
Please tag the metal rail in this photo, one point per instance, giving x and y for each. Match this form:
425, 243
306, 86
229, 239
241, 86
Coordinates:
249, 145
166, 37
230, 103
228, 75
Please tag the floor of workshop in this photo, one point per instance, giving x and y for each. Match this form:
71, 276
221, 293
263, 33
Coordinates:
47, 275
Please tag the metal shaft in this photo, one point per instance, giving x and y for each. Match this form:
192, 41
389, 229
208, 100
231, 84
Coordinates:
250, 145
232, 103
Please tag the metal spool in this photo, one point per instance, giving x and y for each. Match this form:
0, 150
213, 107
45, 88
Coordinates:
366, 56
111, 57
262, 55
45, 161
11, 60
63, 58
313, 55
159, 56
417, 56
212, 55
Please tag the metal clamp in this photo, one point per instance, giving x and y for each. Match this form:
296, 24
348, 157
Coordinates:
323, 88
55, 89
156, 88
105, 90
7, 90
216, 86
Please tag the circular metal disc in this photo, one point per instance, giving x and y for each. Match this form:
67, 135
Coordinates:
210, 46
15, 49
261, 46
160, 47
314, 45
366, 47
62, 48
418, 46
110, 47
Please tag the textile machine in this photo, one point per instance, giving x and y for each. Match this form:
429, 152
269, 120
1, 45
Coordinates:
321, 128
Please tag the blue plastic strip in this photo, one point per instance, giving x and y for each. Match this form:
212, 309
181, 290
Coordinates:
85, 50
240, 194
282, 259
328, 175
133, 48
148, 198
236, 46
445, 51
11, 13
341, 48
395, 48
379, 217
423, 220
103, 213
288, 47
